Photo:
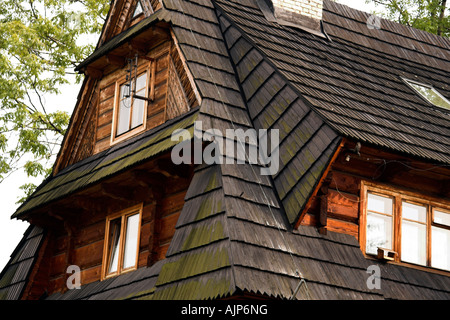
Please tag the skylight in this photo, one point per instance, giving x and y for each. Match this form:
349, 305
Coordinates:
429, 93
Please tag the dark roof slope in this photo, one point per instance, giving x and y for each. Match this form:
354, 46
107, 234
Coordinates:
393, 39
354, 81
14, 277
94, 169
332, 265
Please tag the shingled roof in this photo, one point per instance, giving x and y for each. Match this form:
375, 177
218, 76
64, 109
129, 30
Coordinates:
235, 231
107, 163
354, 81
14, 277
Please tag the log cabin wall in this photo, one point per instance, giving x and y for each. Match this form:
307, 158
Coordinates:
337, 205
155, 109
85, 247
169, 87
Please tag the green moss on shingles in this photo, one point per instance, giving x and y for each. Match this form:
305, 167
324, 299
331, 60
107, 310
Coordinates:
205, 209
208, 207
161, 141
147, 293
193, 264
203, 235
303, 135
194, 290
212, 183
293, 203
288, 150
79, 178
280, 106
317, 171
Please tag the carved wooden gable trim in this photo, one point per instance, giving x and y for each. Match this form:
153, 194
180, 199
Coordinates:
127, 15
180, 96
85, 144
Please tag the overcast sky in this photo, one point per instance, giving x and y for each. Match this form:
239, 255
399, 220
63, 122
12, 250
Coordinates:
11, 231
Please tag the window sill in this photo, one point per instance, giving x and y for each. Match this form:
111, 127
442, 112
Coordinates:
114, 275
127, 135
408, 265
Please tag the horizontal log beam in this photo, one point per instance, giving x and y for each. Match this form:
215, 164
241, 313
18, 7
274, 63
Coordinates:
116, 60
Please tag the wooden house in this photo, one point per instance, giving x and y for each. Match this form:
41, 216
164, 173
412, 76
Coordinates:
361, 107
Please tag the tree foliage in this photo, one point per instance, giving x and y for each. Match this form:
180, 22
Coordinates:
41, 42
428, 15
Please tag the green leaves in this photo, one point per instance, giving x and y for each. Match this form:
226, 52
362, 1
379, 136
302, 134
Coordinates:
41, 42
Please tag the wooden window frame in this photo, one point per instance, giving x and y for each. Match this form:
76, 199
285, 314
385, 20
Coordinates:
399, 196
144, 67
123, 215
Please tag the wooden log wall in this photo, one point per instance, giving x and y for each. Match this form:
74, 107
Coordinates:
159, 218
155, 109
336, 207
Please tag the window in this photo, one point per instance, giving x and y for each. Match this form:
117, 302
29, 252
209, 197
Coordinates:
138, 10
122, 242
130, 110
429, 93
379, 223
416, 228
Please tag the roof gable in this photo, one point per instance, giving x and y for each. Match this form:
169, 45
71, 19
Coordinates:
121, 16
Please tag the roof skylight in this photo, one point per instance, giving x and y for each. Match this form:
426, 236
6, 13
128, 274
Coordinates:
429, 93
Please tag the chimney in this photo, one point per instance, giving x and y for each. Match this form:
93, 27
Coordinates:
308, 8
306, 14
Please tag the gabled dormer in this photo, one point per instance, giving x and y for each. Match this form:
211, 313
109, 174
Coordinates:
136, 80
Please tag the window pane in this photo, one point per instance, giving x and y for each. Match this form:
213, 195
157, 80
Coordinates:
138, 113
440, 248
141, 82
379, 232
131, 241
123, 119
379, 204
414, 212
431, 95
114, 246
414, 244
441, 217
124, 90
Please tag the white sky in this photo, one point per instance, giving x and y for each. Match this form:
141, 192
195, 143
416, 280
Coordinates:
11, 231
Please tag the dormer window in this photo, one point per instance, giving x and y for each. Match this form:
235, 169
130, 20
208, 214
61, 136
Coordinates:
131, 102
131, 110
429, 93
414, 227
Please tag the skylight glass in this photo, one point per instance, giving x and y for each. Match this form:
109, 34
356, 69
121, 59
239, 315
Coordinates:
430, 94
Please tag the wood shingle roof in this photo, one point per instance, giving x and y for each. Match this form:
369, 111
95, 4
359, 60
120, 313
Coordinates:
235, 230
354, 82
